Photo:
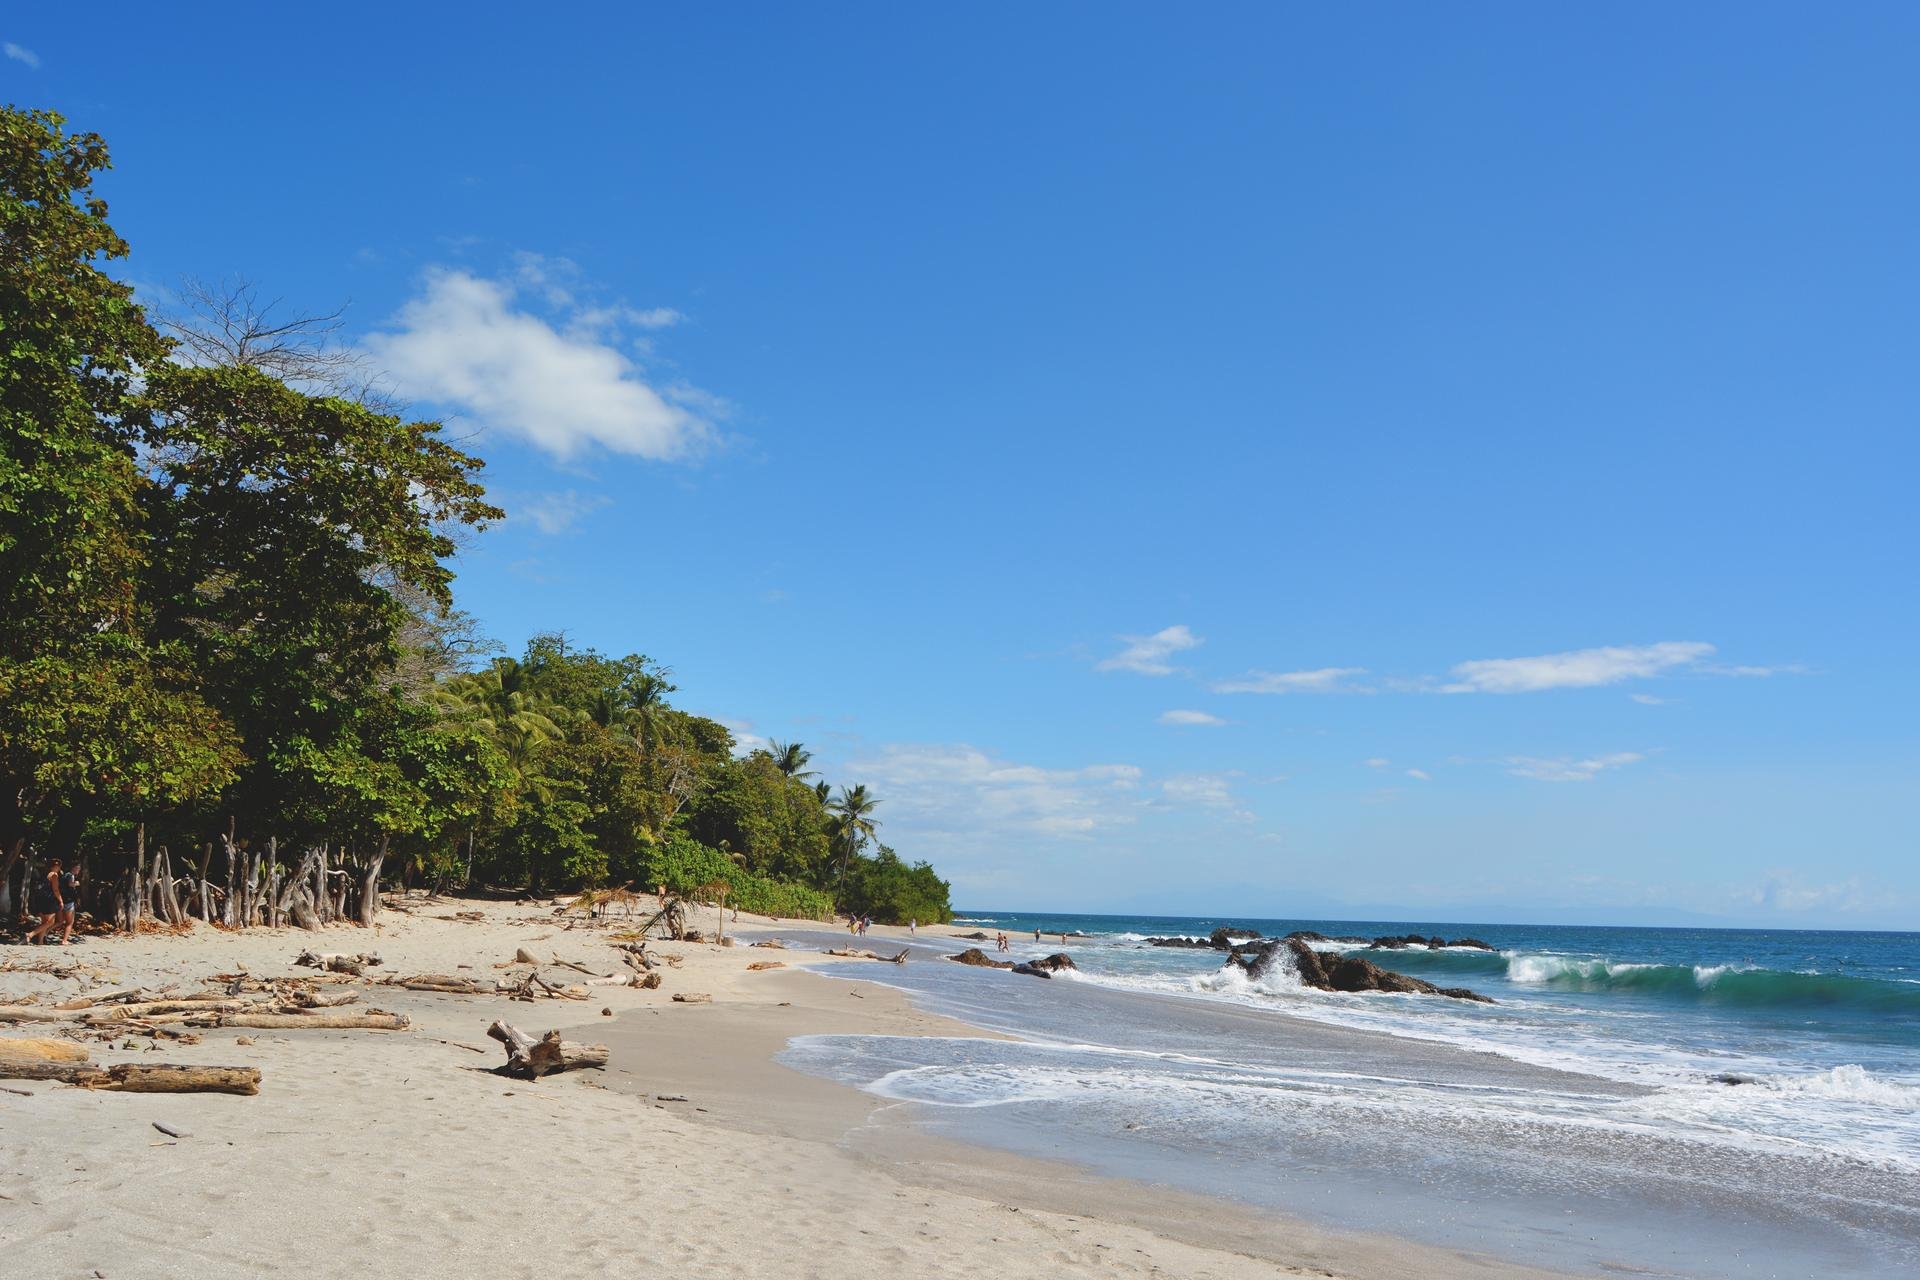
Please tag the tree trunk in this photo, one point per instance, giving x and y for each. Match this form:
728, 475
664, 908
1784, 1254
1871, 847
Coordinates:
532, 1058
18, 846
358, 1020
273, 874
140, 1077
370, 884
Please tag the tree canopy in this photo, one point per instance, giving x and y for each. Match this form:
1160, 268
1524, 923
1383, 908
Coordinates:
227, 622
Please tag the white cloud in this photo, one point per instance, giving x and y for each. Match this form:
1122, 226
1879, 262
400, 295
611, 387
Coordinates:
1194, 719
20, 53
1322, 680
1147, 655
1568, 769
1786, 891
555, 513
745, 740
473, 346
1378, 762
957, 797
1204, 791
1421, 774
1578, 669
657, 318
1648, 700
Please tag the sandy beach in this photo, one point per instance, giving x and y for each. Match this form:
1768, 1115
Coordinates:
380, 1153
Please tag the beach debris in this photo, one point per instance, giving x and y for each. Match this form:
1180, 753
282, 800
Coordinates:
31, 1013
606, 1013
1047, 967
1332, 972
139, 1077
524, 956
979, 959
692, 997
41, 1051
772, 944
335, 962
243, 1039
759, 966
851, 954
170, 1131
352, 1020
445, 983
670, 1097
322, 999
529, 1059
647, 981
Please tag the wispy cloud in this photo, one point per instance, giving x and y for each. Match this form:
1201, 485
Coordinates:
1205, 791
1648, 699
1569, 769
20, 53
1190, 719
1786, 891
959, 797
1378, 762
1321, 680
556, 513
523, 356
1421, 774
1576, 669
1148, 655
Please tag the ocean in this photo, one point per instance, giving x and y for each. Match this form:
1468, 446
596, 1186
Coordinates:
1693, 1102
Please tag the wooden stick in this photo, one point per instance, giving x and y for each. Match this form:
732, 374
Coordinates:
531, 1059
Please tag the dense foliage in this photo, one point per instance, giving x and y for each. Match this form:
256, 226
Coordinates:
227, 622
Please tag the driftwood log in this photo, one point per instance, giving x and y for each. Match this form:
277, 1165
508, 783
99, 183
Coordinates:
139, 1077
529, 1059
41, 1051
31, 1013
851, 954
356, 1020
334, 962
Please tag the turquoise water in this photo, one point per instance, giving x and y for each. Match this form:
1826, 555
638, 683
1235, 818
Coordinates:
1581, 1121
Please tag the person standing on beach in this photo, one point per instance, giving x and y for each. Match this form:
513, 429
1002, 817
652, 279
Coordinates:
44, 901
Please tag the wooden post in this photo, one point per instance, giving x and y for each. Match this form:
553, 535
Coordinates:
139, 878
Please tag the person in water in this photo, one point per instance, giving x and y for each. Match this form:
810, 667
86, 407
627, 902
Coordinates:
44, 901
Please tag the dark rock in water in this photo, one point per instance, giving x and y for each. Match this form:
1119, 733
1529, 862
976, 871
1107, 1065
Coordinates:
1327, 972
975, 956
1306, 935
1734, 1077
1434, 944
1388, 944
1223, 938
1475, 943
1048, 967
1199, 944
974, 937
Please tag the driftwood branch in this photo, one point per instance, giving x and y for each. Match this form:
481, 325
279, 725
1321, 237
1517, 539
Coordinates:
529, 1059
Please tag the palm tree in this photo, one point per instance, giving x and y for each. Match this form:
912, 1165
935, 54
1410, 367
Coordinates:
823, 790
498, 700
852, 810
790, 758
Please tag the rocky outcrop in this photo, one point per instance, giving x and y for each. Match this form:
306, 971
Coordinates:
1048, 967
1475, 943
1198, 944
1331, 972
1223, 938
971, 937
980, 959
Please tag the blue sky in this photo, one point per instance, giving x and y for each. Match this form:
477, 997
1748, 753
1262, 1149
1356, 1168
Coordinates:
1266, 460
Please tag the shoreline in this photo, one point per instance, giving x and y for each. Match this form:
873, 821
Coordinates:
406, 1146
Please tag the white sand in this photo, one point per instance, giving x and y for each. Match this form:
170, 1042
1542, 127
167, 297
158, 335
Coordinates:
388, 1154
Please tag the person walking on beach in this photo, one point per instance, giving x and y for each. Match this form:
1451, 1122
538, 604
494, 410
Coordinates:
913, 924
44, 901
69, 904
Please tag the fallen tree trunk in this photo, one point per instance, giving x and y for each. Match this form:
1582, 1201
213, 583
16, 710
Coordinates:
530, 1059
31, 1013
123, 1012
140, 1077
368, 1020
41, 1051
